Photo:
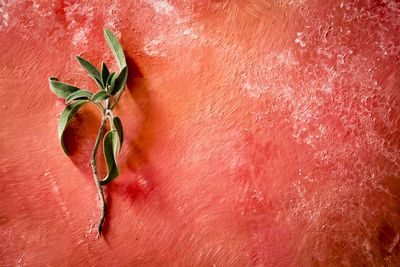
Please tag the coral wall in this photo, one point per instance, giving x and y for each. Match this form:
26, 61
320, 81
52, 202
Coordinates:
256, 133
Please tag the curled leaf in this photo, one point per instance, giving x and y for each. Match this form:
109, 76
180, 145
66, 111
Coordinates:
104, 73
80, 94
66, 116
115, 47
61, 89
88, 67
120, 81
111, 82
110, 147
118, 126
100, 96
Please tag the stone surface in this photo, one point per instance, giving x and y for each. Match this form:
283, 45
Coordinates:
257, 133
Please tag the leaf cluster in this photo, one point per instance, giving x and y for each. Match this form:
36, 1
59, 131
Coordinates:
111, 86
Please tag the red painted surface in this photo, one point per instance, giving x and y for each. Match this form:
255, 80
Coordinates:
257, 133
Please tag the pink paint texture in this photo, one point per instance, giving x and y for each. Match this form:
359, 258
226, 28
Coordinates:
258, 133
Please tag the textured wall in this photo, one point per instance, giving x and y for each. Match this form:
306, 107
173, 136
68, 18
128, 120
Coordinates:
257, 132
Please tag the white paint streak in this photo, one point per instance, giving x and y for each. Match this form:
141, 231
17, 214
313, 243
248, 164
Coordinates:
80, 30
394, 242
253, 87
92, 231
5, 17
111, 17
189, 32
80, 36
158, 42
60, 198
20, 261
254, 90
297, 2
154, 48
59, 107
299, 39
162, 7
4, 14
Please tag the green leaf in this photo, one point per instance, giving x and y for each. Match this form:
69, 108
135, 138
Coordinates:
115, 47
110, 147
100, 96
98, 82
66, 116
62, 90
118, 126
111, 82
104, 73
80, 94
88, 67
120, 81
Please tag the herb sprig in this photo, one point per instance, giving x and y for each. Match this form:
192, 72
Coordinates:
111, 86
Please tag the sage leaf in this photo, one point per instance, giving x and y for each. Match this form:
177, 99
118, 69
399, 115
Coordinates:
118, 126
66, 116
98, 82
61, 89
104, 73
100, 96
120, 81
115, 47
111, 82
88, 67
80, 94
110, 147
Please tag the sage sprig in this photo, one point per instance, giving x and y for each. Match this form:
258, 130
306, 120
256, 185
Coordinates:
111, 85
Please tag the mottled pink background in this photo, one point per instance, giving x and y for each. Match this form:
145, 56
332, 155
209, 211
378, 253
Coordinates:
258, 133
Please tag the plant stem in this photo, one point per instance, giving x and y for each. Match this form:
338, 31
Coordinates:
96, 177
